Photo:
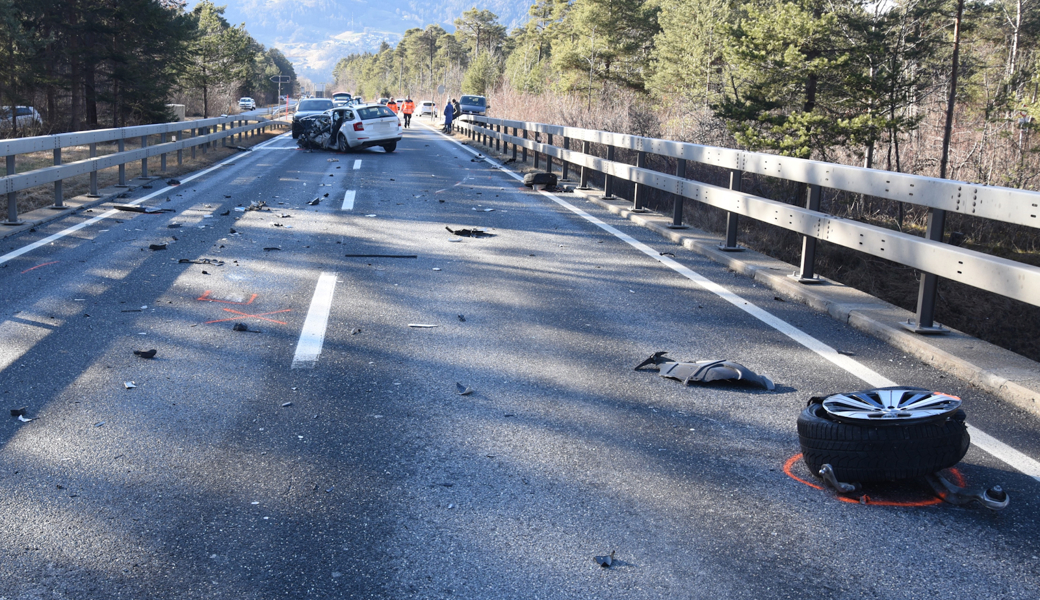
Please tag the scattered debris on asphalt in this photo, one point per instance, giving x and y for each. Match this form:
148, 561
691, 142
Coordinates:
422, 325
19, 412
174, 226
606, 561
242, 148
25, 419
544, 179
243, 327
141, 209
99, 424
157, 247
462, 318
259, 205
286, 404
129, 385
479, 158
462, 389
225, 213
202, 261
381, 255
146, 353
173, 182
269, 248
315, 202
474, 232
355, 331
704, 371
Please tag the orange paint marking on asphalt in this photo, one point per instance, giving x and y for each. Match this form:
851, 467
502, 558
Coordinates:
958, 479
38, 266
205, 298
261, 316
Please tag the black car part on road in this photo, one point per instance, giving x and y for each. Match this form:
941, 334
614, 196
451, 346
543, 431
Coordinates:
868, 452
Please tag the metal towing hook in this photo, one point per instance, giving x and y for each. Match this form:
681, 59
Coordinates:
994, 498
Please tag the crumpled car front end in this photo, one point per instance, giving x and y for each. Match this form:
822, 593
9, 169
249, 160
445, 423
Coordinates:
315, 132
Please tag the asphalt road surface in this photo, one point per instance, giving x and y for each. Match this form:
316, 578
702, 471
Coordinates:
327, 453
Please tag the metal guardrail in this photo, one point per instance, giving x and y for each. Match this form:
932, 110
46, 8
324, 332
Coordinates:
188, 135
929, 254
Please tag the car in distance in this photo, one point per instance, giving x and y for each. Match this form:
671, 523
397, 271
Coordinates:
246, 103
26, 116
341, 99
473, 105
350, 128
310, 106
427, 107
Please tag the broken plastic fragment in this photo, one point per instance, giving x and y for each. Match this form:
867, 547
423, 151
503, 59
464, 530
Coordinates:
606, 561
468, 232
24, 419
157, 246
704, 371
129, 385
173, 182
462, 389
18, 412
286, 404
145, 353
244, 327
421, 325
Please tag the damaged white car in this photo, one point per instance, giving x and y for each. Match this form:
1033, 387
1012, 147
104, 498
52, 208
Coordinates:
351, 127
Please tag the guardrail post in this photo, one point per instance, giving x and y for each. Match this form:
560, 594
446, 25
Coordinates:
93, 174
12, 197
548, 157
144, 161
498, 140
608, 179
735, 178
180, 151
584, 181
806, 273
120, 147
59, 196
514, 145
223, 138
640, 191
193, 134
678, 201
204, 131
162, 157
537, 140
926, 294
525, 148
566, 146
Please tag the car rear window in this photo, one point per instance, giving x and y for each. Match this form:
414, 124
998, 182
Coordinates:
315, 104
472, 100
375, 112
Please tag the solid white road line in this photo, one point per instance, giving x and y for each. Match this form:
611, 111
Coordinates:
312, 337
357, 164
348, 200
64, 232
982, 440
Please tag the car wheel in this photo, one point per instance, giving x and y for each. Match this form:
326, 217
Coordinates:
866, 453
390, 147
342, 144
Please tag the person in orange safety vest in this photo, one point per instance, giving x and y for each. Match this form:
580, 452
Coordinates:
392, 105
407, 109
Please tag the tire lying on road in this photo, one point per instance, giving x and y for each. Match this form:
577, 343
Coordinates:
896, 433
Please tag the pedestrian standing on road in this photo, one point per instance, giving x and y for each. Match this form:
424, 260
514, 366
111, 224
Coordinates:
449, 113
458, 110
407, 109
